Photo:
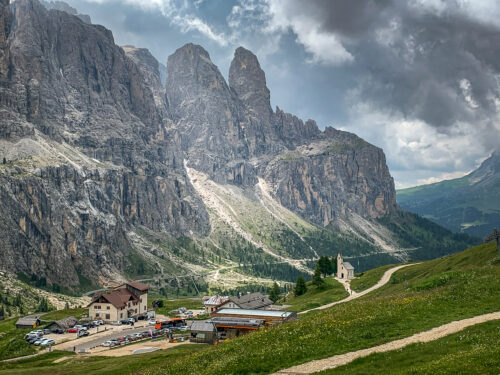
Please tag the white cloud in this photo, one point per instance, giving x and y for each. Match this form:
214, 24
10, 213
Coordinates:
325, 48
418, 153
180, 14
271, 19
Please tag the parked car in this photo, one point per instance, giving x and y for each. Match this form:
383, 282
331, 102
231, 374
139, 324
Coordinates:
152, 322
72, 330
116, 323
107, 344
98, 323
124, 321
31, 335
46, 342
142, 317
46, 331
38, 342
59, 331
183, 328
83, 333
32, 340
79, 326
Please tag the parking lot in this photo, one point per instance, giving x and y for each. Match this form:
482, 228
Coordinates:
97, 335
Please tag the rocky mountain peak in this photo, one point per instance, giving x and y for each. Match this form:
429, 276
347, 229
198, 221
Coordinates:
248, 81
191, 73
64, 7
150, 69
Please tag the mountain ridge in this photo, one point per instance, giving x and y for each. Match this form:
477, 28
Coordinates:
100, 156
468, 204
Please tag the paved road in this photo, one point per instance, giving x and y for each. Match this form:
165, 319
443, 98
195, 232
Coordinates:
384, 280
88, 344
426, 336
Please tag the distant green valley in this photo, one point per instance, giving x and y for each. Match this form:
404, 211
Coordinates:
470, 204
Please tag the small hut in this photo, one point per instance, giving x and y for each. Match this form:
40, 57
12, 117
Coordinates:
203, 332
63, 324
30, 321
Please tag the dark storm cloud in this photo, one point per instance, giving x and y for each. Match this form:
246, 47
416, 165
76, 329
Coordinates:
437, 67
347, 17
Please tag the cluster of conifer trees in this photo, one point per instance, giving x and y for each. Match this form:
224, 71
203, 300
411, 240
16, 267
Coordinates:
325, 267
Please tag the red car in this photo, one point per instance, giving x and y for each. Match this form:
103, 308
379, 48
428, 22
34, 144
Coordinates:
72, 330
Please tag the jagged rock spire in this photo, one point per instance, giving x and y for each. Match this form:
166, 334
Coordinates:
248, 81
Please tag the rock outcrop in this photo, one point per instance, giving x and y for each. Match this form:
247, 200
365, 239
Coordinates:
96, 143
320, 175
68, 84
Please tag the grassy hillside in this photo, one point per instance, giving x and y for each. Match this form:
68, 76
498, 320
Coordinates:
12, 342
369, 278
417, 298
470, 204
472, 351
314, 297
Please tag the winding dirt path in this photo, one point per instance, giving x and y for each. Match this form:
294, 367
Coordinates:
426, 336
383, 280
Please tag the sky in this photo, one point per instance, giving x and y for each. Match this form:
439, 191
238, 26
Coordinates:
418, 78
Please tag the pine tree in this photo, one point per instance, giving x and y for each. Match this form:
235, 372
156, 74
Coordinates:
300, 287
43, 306
317, 280
17, 300
333, 262
66, 306
274, 294
326, 266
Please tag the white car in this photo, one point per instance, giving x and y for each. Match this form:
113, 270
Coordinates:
39, 342
38, 332
106, 343
46, 342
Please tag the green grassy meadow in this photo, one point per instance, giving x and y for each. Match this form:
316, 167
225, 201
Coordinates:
416, 299
369, 278
61, 314
314, 297
474, 350
12, 343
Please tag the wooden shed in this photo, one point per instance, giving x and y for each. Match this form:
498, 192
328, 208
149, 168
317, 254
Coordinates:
30, 321
63, 324
203, 332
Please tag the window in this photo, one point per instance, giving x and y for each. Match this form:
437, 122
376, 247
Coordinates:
121, 315
97, 315
107, 316
107, 307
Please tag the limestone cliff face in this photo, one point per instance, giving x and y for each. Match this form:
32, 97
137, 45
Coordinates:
96, 143
320, 175
88, 156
